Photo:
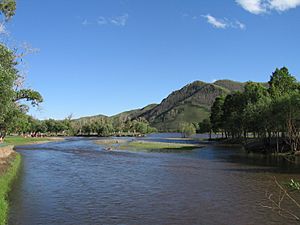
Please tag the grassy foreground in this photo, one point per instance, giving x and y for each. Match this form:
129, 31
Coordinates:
17, 140
5, 182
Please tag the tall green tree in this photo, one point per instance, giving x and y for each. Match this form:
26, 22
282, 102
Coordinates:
282, 82
217, 114
12, 96
205, 127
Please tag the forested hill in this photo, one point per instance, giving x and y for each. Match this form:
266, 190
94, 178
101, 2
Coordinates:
190, 104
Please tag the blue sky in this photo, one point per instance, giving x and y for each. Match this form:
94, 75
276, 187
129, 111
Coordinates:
108, 56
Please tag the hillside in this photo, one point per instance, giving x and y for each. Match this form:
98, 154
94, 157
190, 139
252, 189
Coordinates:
190, 104
230, 85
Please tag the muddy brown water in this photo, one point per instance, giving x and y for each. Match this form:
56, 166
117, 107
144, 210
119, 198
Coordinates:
77, 182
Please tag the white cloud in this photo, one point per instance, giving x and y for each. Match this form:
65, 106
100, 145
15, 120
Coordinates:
283, 5
120, 20
224, 23
253, 6
263, 6
217, 23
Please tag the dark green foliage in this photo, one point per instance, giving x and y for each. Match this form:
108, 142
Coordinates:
29, 95
268, 113
205, 127
282, 82
217, 114
8, 8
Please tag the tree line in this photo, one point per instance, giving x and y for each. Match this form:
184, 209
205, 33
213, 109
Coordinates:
269, 112
105, 126
27, 126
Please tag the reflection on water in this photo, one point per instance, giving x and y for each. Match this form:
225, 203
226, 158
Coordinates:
77, 182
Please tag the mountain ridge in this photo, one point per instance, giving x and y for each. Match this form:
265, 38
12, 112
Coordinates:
189, 104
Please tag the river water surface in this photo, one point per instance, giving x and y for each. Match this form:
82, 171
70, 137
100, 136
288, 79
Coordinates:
77, 182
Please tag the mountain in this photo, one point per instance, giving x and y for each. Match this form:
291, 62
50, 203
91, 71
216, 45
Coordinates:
230, 85
133, 114
190, 104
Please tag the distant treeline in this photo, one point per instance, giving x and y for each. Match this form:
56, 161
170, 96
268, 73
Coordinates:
268, 113
28, 126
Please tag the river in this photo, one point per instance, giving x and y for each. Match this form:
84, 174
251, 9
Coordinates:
77, 182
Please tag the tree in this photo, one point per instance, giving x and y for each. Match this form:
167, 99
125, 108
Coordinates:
205, 127
268, 113
187, 129
217, 114
282, 82
10, 93
232, 117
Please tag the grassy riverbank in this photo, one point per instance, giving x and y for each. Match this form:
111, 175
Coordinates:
18, 140
145, 145
6, 178
136, 145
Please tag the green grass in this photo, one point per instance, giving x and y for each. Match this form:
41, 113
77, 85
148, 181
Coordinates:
111, 141
143, 145
186, 113
17, 140
5, 183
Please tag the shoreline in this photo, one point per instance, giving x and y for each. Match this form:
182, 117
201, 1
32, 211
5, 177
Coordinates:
10, 162
256, 146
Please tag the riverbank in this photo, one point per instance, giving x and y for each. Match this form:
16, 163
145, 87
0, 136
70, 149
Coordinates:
9, 165
18, 140
259, 146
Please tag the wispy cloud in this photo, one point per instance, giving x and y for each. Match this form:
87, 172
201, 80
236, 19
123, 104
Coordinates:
264, 6
239, 24
101, 20
120, 20
224, 23
217, 23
